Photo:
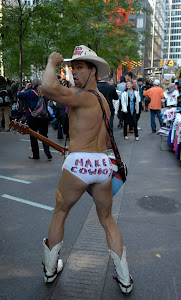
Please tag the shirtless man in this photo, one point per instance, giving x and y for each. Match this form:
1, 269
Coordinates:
87, 163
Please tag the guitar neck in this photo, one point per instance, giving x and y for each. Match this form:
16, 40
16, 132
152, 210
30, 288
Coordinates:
47, 141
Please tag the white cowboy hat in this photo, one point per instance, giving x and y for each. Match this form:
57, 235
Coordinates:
84, 53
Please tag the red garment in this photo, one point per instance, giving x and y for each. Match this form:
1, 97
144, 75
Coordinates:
155, 94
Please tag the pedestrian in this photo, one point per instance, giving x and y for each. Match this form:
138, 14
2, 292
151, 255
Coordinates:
120, 89
146, 98
86, 155
129, 77
6, 100
30, 95
112, 82
178, 86
130, 100
156, 94
140, 83
56, 123
109, 92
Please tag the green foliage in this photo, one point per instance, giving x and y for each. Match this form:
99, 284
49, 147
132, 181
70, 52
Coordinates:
56, 25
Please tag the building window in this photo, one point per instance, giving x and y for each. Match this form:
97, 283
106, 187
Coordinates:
139, 23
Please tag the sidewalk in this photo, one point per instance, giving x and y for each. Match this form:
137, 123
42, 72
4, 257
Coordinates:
147, 210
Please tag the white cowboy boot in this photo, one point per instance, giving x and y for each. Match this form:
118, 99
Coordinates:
123, 277
53, 265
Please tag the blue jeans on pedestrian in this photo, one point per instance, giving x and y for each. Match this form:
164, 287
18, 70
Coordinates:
155, 112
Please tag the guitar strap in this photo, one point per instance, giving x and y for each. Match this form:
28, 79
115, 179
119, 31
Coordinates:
121, 166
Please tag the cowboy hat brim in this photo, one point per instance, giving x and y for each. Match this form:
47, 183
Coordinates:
100, 63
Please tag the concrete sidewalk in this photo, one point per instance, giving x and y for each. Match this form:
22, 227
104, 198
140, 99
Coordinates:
147, 210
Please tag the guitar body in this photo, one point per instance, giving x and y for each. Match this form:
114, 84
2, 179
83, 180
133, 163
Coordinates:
117, 181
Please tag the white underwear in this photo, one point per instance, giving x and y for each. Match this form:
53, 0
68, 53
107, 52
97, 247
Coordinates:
90, 167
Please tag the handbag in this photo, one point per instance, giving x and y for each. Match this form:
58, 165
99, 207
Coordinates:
119, 167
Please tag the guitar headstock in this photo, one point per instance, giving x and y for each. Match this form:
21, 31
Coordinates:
22, 128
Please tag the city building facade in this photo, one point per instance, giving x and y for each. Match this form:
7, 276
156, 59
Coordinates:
152, 23
172, 45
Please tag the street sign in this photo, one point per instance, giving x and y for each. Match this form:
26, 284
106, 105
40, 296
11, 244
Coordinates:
170, 63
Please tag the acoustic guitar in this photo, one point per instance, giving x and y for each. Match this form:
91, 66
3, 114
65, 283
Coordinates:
117, 181
24, 129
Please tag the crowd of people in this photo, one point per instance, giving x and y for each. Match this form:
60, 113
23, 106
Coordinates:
148, 95
15, 104
132, 96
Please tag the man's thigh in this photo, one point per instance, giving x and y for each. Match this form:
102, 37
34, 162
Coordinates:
69, 190
157, 112
7, 110
102, 195
152, 113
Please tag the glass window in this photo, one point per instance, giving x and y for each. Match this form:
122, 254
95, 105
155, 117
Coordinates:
139, 23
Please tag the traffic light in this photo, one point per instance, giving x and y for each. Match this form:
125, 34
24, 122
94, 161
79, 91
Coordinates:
161, 62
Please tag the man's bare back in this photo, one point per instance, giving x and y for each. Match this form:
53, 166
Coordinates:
87, 127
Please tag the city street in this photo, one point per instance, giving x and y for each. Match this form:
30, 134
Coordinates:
147, 210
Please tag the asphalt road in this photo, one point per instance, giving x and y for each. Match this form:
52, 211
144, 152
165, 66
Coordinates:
147, 210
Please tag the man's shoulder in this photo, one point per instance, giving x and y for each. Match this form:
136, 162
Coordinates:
121, 84
102, 83
112, 87
158, 88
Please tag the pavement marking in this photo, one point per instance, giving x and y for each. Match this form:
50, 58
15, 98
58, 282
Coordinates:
50, 150
15, 179
25, 140
55, 151
27, 202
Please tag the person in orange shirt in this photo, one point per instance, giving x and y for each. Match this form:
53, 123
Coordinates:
155, 94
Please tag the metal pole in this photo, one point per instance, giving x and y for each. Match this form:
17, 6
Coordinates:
169, 29
153, 34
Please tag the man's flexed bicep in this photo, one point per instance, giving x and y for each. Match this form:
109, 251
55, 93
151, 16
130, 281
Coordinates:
51, 86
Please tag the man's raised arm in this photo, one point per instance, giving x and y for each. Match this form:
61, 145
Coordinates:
50, 85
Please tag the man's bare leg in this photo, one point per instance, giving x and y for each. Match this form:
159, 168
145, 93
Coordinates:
102, 194
69, 190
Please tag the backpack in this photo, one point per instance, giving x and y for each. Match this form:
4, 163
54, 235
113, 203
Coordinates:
4, 98
40, 110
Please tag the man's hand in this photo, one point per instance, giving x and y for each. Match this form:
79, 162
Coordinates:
28, 86
56, 58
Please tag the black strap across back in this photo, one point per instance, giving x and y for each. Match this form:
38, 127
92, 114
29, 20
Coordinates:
122, 170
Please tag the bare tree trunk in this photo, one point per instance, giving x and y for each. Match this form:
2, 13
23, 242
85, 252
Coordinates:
20, 46
96, 45
20, 54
